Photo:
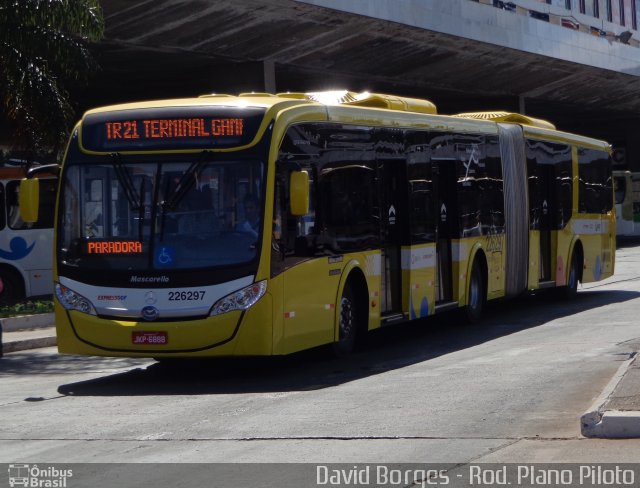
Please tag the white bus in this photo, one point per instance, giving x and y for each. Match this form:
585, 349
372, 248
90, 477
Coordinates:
26, 248
627, 191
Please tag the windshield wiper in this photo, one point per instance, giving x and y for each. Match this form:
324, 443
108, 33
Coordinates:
125, 180
141, 209
188, 179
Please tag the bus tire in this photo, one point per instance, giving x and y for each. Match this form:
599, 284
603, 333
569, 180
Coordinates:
347, 323
12, 286
571, 289
476, 299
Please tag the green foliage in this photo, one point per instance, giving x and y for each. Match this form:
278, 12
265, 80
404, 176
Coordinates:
27, 307
43, 49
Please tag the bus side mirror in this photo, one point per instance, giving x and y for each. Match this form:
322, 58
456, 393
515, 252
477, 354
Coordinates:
29, 199
299, 193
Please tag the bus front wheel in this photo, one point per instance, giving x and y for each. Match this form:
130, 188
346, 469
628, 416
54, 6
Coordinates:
347, 323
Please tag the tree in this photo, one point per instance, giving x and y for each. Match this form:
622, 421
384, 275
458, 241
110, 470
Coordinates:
43, 51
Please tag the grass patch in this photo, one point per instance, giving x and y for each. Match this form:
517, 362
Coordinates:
31, 306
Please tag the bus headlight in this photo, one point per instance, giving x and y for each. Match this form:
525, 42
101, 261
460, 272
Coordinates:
71, 300
241, 299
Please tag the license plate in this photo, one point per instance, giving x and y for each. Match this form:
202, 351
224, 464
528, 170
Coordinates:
149, 338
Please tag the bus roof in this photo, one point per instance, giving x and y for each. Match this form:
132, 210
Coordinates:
508, 117
268, 100
532, 126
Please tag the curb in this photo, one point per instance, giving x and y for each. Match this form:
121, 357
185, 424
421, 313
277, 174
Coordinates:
47, 338
27, 332
22, 322
599, 422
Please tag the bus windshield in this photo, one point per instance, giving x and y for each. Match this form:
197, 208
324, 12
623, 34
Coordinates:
163, 213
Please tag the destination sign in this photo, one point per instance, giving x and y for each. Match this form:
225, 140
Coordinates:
113, 247
174, 128
170, 128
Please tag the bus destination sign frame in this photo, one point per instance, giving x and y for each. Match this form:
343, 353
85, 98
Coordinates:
173, 128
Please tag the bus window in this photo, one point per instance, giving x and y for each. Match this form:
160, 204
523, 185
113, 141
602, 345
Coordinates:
93, 209
421, 197
341, 164
594, 190
620, 188
549, 167
491, 189
471, 171
45, 210
349, 205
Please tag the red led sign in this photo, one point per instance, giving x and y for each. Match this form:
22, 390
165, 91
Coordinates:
172, 128
114, 247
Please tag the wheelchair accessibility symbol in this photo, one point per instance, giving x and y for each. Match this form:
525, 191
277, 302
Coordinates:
165, 256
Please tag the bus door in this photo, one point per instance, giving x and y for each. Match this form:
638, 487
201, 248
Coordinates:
444, 182
393, 219
547, 212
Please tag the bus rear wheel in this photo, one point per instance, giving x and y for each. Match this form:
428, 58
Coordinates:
11, 287
571, 289
347, 323
475, 304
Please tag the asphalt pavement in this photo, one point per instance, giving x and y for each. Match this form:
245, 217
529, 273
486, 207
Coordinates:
615, 414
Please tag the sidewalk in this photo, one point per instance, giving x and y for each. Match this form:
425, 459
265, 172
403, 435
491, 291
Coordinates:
616, 412
27, 332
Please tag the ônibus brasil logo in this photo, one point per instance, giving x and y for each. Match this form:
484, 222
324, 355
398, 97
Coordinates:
38, 477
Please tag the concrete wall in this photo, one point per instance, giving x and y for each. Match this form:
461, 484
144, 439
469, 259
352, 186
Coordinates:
482, 22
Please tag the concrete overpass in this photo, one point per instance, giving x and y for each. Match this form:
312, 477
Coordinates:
462, 55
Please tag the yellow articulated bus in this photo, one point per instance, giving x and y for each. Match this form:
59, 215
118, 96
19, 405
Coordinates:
266, 224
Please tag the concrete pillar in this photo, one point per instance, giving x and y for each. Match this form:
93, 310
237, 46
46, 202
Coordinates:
269, 76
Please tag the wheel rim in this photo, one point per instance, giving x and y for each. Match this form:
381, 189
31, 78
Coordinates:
346, 319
